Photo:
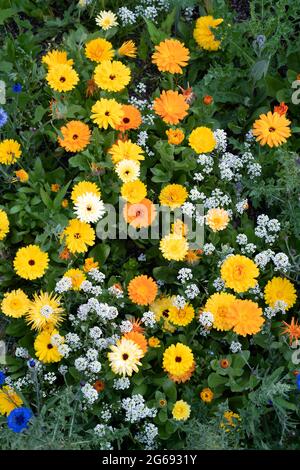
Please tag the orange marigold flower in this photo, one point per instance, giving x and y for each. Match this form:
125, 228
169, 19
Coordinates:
170, 56
224, 363
206, 395
22, 175
136, 324
91, 88
171, 106
207, 100
292, 329
139, 215
64, 203
282, 109
175, 136
99, 385
89, 264
55, 187
64, 254
132, 118
76, 136
128, 49
154, 342
138, 338
193, 256
142, 290
183, 377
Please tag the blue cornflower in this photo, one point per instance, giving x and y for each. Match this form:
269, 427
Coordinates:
17, 88
298, 381
18, 419
2, 378
3, 117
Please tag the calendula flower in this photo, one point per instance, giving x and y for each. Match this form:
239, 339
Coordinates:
142, 290
10, 151
230, 420
281, 109
56, 57
174, 247
280, 289
22, 175
9, 400
219, 305
239, 273
15, 304
124, 358
4, 224
126, 150
89, 208
161, 307
171, 106
79, 235
193, 256
128, 170
202, 140
107, 112
112, 75
207, 100
99, 49
106, 19
140, 215
84, 187
175, 136
64, 203
249, 319
45, 311
203, 32
134, 192
154, 342
181, 410
178, 359
170, 56
272, 129
55, 187
45, 350
132, 118
127, 49
75, 136
292, 329
77, 277
137, 338
62, 77
89, 264
173, 195
206, 395
217, 219
181, 316
31, 262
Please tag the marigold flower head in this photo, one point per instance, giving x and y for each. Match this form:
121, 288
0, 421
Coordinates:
178, 359
175, 136
75, 136
161, 307
132, 118
124, 357
181, 316
272, 129
9, 400
4, 224
128, 49
44, 311
65, 254
89, 264
204, 35
56, 57
10, 151
45, 350
207, 100
22, 175
99, 49
128, 170
126, 150
224, 363
181, 410
193, 256
174, 247
79, 235
99, 386
142, 290
15, 304
282, 109
219, 305
84, 187
112, 75
137, 338
280, 289
217, 219
170, 56
239, 273
134, 191
107, 112
202, 140
173, 195
249, 319
31, 262
64, 203
77, 277
55, 187
171, 106
141, 214
292, 329
154, 342
230, 420
206, 395
62, 77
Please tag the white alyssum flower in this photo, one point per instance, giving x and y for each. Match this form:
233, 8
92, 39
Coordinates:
206, 319
22, 352
92, 354
208, 248
95, 367
95, 332
115, 292
263, 258
221, 140
219, 284
242, 239
184, 274
73, 340
235, 347
248, 249
147, 435
136, 409
179, 301
96, 275
81, 363
241, 206
89, 208
281, 262
86, 286
89, 393
50, 377
125, 326
63, 285
127, 16
149, 319
191, 291
46, 311
106, 19
121, 384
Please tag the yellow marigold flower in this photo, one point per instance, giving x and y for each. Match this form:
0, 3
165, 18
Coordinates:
126, 150
62, 77
128, 49
161, 307
45, 347
107, 112
56, 57
9, 400
219, 305
168, 327
202, 140
134, 191
128, 170
75, 136
77, 277
4, 224
10, 151
106, 20
55, 187
174, 247
217, 219
89, 264
15, 303
181, 410
124, 357
280, 289
154, 342
171, 106
206, 395
84, 187
64, 203
203, 34
99, 49
178, 359
181, 316
272, 129
44, 311
239, 273
22, 175
112, 75
170, 56
173, 195
230, 421
31, 262
249, 319
79, 235
142, 290
175, 136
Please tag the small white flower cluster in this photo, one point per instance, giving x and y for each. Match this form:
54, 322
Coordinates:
241, 206
115, 292
126, 16
63, 285
179, 301
136, 409
102, 430
267, 229
87, 287
207, 163
281, 262
50, 377
141, 89
22, 352
221, 140
148, 319
142, 257
217, 199
63, 369
88, 363
89, 393
103, 310
121, 384
230, 167
206, 319
73, 340
96, 275
208, 248
188, 13
20, 383
242, 239
191, 291
195, 194
106, 413
248, 249
256, 291
95, 332
141, 104
263, 258
188, 209
147, 436
46, 311
219, 284
235, 347
125, 326
279, 307
253, 168
184, 275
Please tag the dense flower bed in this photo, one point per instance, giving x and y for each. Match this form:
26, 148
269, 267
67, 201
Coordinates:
178, 328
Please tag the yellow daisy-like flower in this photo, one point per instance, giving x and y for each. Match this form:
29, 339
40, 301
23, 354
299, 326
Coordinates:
161, 307
202, 140
56, 57
10, 151
239, 273
174, 247
280, 289
124, 357
203, 34
128, 170
15, 304
106, 20
45, 347
22, 175
173, 195
9, 400
77, 277
99, 49
134, 191
249, 319
230, 420
127, 49
178, 359
219, 305
44, 311
175, 136
154, 342
84, 187
126, 150
76, 135
181, 410
79, 235
31, 262
62, 77
170, 56
171, 106
142, 290
107, 112
4, 224
112, 76
206, 395
217, 219
272, 129
90, 264
181, 316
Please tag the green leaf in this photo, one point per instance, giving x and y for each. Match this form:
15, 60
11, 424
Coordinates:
214, 380
7, 13
16, 328
282, 403
38, 114
164, 273
169, 388
156, 35
100, 253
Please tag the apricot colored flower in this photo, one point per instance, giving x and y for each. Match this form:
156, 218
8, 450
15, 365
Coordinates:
132, 118
217, 219
99, 49
175, 136
142, 290
170, 56
249, 317
272, 129
22, 175
137, 338
140, 215
75, 136
219, 305
281, 109
171, 106
206, 395
127, 49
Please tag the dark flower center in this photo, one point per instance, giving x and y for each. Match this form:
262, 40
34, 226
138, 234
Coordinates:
49, 346
88, 208
106, 113
165, 313
75, 136
178, 359
62, 79
271, 129
77, 235
31, 262
125, 357
126, 120
112, 77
